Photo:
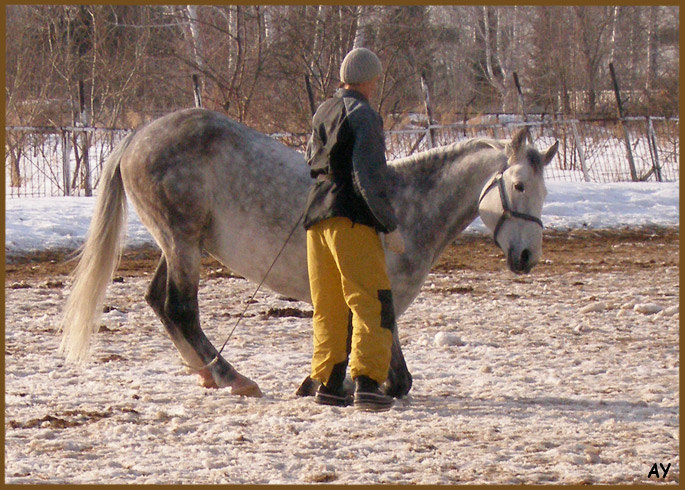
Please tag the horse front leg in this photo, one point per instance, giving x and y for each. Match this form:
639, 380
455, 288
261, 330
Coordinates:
173, 296
399, 379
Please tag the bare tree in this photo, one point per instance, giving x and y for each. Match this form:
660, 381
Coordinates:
363, 24
592, 25
135, 62
651, 55
500, 30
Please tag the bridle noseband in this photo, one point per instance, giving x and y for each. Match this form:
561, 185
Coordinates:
498, 181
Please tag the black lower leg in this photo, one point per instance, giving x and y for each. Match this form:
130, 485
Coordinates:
156, 292
182, 316
399, 380
182, 309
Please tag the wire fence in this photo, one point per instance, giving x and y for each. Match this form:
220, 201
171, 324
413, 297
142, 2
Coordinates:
68, 161
590, 151
41, 162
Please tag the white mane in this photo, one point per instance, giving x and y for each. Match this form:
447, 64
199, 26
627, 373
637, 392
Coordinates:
448, 152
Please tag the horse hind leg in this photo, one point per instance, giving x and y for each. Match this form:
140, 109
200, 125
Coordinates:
156, 297
172, 294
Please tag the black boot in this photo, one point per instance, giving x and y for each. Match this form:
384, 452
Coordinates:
333, 393
368, 397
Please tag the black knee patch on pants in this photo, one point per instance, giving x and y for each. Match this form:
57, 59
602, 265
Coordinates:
387, 309
337, 377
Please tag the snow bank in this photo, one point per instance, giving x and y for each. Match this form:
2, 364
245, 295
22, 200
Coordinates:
38, 224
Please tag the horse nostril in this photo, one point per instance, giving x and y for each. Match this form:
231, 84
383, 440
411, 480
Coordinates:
525, 257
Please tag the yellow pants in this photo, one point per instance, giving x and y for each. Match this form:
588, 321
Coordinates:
348, 280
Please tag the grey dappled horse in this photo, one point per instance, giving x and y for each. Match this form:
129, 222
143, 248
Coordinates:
200, 181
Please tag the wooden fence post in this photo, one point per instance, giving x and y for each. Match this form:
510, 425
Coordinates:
85, 143
529, 137
310, 94
196, 90
581, 153
626, 136
66, 152
654, 149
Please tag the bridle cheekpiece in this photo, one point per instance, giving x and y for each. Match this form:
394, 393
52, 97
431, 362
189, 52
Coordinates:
508, 212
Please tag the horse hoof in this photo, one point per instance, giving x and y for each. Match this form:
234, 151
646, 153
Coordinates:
397, 388
242, 386
250, 389
207, 382
308, 387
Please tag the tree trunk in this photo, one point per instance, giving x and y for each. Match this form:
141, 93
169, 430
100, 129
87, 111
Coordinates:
652, 41
363, 25
266, 24
614, 24
490, 72
195, 41
314, 63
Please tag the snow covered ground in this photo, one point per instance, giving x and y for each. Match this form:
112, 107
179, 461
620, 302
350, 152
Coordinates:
34, 224
568, 378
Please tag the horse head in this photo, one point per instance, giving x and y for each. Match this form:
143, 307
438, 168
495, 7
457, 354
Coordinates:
511, 203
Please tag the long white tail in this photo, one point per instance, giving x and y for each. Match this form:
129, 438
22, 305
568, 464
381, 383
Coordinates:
98, 258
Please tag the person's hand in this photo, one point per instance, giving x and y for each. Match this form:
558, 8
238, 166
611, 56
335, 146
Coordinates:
394, 241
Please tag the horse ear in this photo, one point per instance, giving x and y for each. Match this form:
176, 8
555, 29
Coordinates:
549, 154
517, 141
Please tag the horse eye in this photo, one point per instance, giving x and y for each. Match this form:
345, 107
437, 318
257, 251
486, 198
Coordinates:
519, 186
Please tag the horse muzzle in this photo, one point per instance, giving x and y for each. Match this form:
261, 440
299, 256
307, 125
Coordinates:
520, 262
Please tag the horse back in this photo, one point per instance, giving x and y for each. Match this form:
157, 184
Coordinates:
199, 177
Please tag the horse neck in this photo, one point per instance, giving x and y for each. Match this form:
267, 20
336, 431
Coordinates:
436, 192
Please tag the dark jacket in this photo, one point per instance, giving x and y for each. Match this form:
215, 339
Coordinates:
346, 155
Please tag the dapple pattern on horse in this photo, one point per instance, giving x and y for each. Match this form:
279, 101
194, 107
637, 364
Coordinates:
202, 182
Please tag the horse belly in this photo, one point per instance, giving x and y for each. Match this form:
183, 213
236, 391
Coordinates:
248, 246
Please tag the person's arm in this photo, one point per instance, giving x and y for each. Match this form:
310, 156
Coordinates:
369, 166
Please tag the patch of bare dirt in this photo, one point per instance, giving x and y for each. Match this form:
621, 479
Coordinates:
576, 250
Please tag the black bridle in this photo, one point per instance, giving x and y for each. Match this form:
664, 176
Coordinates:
498, 181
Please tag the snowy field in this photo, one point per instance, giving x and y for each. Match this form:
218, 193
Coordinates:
563, 379
35, 224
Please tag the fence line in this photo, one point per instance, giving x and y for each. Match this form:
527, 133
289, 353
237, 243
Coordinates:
48, 161
45, 161
591, 151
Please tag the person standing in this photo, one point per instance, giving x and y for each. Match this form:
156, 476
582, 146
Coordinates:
347, 210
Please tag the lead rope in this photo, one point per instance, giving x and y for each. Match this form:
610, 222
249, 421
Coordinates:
250, 300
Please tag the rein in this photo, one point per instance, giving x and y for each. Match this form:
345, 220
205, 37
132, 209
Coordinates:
251, 300
508, 213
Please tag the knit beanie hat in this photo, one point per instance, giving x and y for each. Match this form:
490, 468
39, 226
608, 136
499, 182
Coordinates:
359, 66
